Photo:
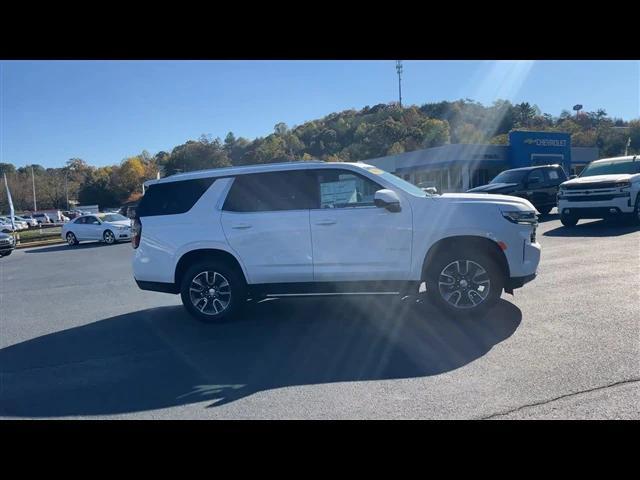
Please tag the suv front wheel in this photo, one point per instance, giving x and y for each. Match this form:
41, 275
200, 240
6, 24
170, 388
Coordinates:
464, 283
212, 291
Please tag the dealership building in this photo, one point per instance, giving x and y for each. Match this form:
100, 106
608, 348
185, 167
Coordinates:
456, 168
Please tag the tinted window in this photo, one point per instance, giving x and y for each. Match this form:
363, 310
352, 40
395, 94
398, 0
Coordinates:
343, 188
536, 176
510, 176
172, 198
92, 221
81, 220
274, 191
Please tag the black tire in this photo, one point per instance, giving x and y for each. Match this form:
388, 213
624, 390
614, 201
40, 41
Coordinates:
568, 221
636, 211
71, 239
544, 210
213, 301
471, 285
109, 237
6, 254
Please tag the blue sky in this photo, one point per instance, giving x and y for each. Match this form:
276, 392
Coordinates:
105, 111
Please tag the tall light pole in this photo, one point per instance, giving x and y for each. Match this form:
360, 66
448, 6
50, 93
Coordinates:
399, 70
33, 183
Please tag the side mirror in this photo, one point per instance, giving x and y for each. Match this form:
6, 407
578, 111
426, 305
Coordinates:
430, 190
387, 199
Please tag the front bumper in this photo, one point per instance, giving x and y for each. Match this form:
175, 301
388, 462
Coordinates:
596, 209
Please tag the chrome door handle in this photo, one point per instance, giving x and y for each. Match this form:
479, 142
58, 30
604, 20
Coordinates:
241, 226
326, 222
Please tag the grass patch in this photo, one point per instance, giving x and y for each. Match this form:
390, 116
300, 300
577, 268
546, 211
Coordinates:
35, 235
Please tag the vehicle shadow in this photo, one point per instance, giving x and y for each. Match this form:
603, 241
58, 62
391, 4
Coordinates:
64, 246
600, 228
161, 357
548, 217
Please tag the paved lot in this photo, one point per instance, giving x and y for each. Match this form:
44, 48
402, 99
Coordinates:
78, 339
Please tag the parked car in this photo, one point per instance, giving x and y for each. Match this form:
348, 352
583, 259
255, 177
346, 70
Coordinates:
537, 184
219, 236
105, 227
20, 224
605, 188
7, 244
42, 218
29, 220
7, 227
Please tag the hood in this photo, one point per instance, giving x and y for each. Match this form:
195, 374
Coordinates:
490, 187
487, 198
603, 179
119, 223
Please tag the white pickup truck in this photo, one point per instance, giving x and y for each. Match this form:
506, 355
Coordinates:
606, 188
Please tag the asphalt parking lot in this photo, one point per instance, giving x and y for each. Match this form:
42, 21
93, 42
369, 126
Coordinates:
79, 339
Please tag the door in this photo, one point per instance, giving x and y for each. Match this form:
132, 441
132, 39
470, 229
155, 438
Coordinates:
265, 219
80, 228
93, 228
553, 178
535, 189
352, 238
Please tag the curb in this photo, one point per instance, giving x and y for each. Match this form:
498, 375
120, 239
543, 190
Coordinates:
40, 243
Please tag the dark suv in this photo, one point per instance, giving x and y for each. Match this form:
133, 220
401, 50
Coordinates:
537, 184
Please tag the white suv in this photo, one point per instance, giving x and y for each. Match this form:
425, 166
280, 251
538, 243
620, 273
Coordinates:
221, 236
606, 188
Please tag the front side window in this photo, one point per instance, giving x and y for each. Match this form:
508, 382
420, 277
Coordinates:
343, 188
536, 177
93, 221
269, 192
81, 220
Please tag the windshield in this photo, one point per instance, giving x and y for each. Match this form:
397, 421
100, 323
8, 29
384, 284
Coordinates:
397, 181
112, 217
510, 176
613, 167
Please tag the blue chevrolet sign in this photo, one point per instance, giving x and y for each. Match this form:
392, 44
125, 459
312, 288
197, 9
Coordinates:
539, 148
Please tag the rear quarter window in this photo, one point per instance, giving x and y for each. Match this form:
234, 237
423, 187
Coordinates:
172, 198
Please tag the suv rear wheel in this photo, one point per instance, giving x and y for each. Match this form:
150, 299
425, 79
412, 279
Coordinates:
464, 283
212, 291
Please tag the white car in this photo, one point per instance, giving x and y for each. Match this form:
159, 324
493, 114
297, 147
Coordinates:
105, 227
606, 188
219, 236
30, 221
20, 224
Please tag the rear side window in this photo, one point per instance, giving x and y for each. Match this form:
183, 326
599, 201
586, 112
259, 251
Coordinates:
273, 191
172, 198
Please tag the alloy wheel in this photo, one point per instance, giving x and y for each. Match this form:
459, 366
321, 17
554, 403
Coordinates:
210, 292
464, 284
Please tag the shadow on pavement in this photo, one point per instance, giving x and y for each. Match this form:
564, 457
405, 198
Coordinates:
161, 357
601, 228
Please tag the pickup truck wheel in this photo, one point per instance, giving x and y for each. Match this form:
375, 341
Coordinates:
636, 211
464, 283
568, 221
213, 292
544, 210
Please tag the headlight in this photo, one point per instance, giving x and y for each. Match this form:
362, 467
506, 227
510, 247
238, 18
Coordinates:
521, 217
623, 184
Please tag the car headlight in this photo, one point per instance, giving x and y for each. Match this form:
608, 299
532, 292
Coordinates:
521, 217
